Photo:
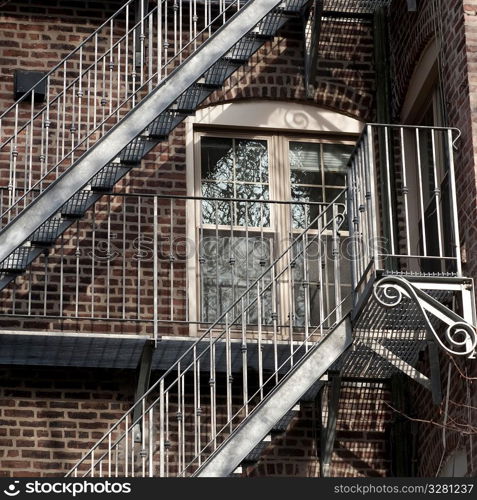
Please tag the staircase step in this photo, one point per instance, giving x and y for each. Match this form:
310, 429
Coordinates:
106, 178
270, 25
293, 6
47, 233
77, 205
256, 453
17, 261
221, 70
134, 151
192, 97
247, 46
282, 425
166, 122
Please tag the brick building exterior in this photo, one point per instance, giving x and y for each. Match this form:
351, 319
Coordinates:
58, 398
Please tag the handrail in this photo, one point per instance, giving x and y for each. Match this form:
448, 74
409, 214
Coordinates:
335, 221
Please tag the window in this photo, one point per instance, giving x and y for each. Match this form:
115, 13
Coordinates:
241, 227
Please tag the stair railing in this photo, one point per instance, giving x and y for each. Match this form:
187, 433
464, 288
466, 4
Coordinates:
196, 404
95, 86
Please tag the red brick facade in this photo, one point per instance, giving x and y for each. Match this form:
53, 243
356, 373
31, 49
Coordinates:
48, 417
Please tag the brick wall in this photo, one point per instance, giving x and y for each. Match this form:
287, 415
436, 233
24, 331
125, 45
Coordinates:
61, 414
275, 72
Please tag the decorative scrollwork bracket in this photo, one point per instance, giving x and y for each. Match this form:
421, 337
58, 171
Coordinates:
460, 337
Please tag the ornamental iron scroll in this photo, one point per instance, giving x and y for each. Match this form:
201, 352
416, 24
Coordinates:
459, 334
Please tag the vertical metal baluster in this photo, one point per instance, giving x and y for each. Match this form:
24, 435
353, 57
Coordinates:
421, 193
437, 194
142, 37
108, 259
104, 100
231, 251
126, 55
79, 94
195, 19
139, 234
151, 441
133, 457
45, 283
171, 259
209, 16
92, 463
453, 193
77, 254
109, 455
201, 261
42, 153
374, 214
150, 52
134, 65
217, 254
47, 125
196, 415
126, 447
124, 205
405, 191
111, 65
306, 280
336, 261
30, 283
95, 80
62, 278
362, 205
162, 436
180, 31
320, 272
63, 120
58, 129
159, 41
100, 469
389, 190
175, 9
93, 260
73, 125
244, 350
167, 442
213, 401
88, 110
116, 461
228, 370
179, 416
275, 316
291, 295
199, 413
143, 436
155, 273
182, 382
118, 83
166, 41
259, 345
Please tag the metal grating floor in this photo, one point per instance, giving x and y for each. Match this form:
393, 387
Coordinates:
354, 6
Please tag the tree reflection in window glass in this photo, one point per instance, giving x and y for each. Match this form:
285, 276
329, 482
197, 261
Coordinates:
233, 168
317, 174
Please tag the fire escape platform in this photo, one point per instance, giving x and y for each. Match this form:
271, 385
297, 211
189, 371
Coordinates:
124, 351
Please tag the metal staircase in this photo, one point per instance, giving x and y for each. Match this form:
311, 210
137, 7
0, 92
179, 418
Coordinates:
198, 419
98, 125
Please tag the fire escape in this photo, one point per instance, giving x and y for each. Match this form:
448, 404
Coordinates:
114, 99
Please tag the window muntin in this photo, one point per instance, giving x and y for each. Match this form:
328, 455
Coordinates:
249, 234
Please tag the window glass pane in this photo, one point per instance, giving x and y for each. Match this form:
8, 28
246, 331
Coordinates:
305, 163
251, 160
335, 161
216, 211
217, 158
